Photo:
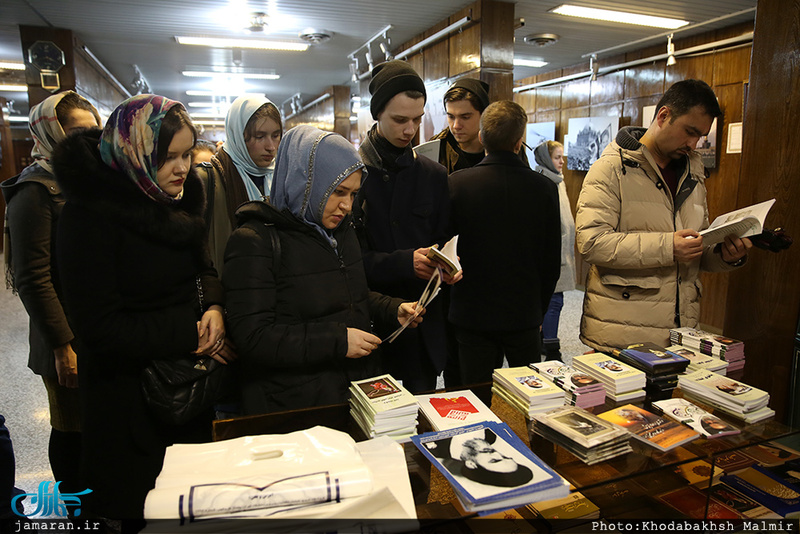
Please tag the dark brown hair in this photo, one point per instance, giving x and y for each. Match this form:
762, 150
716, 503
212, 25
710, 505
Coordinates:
267, 111
72, 101
684, 95
502, 125
459, 93
173, 122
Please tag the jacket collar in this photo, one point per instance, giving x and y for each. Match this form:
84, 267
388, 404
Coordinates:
502, 157
31, 173
96, 187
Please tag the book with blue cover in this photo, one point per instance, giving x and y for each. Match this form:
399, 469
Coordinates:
490, 468
768, 489
653, 359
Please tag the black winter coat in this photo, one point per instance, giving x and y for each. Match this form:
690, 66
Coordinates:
290, 327
396, 213
509, 228
33, 207
128, 267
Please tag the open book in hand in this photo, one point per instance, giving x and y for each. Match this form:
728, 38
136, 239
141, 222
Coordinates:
742, 222
428, 294
429, 149
447, 257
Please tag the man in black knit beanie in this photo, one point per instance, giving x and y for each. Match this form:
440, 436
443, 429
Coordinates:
403, 209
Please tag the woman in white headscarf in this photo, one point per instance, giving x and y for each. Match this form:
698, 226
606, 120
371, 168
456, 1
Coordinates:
34, 201
242, 169
299, 308
549, 157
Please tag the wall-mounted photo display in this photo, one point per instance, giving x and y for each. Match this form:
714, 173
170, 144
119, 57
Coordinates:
536, 133
707, 147
588, 137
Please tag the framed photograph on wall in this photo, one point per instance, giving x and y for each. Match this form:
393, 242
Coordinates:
588, 137
707, 147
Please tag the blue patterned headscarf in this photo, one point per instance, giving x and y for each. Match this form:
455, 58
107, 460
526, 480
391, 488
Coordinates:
130, 141
309, 165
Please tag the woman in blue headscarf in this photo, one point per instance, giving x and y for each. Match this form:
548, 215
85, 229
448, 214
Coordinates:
298, 304
242, 169
138, 285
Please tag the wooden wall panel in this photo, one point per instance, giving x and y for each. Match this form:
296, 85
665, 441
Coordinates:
645, 80
436, 57
632, 109
764, 296
465, 46
608, 88
732, 66
575, 94
548, 98
527, 99
697, 68
497, 35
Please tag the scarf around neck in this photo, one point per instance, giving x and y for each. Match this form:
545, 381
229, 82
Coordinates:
130, 140
310, 164
239, 113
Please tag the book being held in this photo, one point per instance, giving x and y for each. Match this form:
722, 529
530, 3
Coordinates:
447, 257
742, 223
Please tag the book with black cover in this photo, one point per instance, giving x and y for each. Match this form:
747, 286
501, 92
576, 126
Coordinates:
653, 359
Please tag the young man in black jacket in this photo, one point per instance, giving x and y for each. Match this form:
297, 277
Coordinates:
402, 210
509, 242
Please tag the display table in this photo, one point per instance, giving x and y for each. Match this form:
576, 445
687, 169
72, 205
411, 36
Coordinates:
622, 487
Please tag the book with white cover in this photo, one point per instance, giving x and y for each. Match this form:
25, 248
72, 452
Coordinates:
566, 377
731, 393
742, 222
580, 426
381, 394
697, 360
454, 408
447, 256
683, 411
615, 375
526, 384
429, 149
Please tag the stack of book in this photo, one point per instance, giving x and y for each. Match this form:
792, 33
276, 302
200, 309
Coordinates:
583, 434
453, 409
580, 389
490, 468
735, 399
526, 390
707, 425
729, 349
623, 383
659, 365
768, 489
649, 428
382, 407
698, 361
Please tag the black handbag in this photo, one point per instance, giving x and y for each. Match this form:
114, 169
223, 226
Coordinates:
179, 390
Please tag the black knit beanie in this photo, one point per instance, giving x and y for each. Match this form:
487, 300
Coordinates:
476, 87
390, 79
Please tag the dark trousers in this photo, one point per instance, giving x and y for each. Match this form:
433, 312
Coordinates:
481, 352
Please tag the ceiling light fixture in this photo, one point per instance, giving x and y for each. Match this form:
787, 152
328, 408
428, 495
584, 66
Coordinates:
17, 118
618, 16
670, 51
224, 94
240, 75
260, 44
12, 65
535, 63
13, 88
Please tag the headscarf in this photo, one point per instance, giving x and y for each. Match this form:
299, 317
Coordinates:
542, 156
239, 113
46, 130
130, 141
309, 165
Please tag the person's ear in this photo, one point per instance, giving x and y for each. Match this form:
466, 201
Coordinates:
470, 464
480, 136
662, 116
518, 146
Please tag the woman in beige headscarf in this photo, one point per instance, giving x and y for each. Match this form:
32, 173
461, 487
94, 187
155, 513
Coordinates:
34, 203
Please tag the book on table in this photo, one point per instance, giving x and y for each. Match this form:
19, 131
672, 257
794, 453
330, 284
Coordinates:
768, 489
490, 468
741, 223
454, 408
647, 427
731, 394
691, 415
697, 360
526, 390
653, 359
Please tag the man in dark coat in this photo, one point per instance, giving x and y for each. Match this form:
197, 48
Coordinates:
401, 211
509, 242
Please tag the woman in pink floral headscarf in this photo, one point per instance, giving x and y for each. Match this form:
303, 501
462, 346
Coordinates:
138, 285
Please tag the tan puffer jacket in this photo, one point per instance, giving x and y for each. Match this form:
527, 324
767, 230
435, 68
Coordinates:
635, 290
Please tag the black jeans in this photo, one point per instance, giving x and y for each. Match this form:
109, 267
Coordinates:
481, 352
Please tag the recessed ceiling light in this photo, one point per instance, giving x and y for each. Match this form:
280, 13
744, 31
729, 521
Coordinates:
212, 74
261, 44
618, 16
535, 63
17, 118
12, 65
13, 88
224, 93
